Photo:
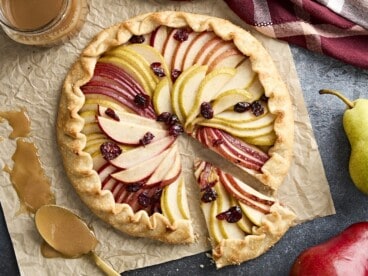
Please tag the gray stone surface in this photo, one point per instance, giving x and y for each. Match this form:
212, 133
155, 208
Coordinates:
315, 72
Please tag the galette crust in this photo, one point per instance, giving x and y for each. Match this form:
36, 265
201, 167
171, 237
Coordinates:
79, 165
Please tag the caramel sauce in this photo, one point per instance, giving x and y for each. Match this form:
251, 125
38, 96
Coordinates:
19, 122
48, 252
28, 177
31, 14
64, 231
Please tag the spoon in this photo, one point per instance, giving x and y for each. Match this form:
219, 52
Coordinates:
68, 234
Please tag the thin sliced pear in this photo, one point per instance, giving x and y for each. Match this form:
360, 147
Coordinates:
135, 73
259, 122
141, 171
139, 154
174, 205
239, 132
182, 199
214, 226
150, 54
189, 88
228, 230
230, 58
239, 118
264, 140
137, 60
159, 38
243, 78
244, 223
256, 89
181, 50
176, 89
209, 88
254, 215
89, 116
228, 99
132, 118
162, 96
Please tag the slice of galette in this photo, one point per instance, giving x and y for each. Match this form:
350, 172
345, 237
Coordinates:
242, 222
140, 84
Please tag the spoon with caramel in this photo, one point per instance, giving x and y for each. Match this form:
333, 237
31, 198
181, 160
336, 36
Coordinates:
68, 234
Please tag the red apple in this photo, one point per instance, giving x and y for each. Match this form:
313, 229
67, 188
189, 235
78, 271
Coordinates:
344, 254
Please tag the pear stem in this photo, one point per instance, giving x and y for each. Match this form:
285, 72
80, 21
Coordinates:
348, 102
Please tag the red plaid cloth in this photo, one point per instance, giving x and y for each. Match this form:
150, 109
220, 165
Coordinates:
334, 27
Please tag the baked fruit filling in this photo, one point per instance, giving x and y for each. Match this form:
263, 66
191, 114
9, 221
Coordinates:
136, 89
145, 93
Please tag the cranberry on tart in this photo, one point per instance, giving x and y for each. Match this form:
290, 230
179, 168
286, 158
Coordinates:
137, 87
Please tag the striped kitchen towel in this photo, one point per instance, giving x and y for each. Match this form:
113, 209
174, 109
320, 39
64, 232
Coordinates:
338, 28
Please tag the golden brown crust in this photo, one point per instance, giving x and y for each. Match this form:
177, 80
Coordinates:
274, 226
78, 164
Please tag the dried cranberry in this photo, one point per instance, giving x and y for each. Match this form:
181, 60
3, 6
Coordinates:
217, 142
157, 69
241, 107
142, 100
110, 150
182, 34
174, 120
137, 39
206, 110
112, 114
147, 138
134, 187
164, 117
156, 196
176, 130
144, 200
209, 195
175, 73
257, 108
264, 98
232, 215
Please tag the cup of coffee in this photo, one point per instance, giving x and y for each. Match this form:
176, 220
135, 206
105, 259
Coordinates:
42, 22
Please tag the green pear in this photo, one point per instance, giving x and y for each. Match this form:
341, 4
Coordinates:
355, 122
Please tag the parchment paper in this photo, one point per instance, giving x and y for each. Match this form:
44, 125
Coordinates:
31, 77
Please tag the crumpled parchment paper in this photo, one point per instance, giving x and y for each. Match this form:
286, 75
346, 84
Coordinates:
31, 77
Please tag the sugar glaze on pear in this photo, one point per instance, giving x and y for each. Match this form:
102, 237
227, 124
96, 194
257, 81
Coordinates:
355, 122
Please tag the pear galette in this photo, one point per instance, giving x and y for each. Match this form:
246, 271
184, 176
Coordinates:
136, 88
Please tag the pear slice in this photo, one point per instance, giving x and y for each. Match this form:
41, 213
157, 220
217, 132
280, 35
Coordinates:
243, 78
169, 49
213, 223
228, 230
239, 118
210, 86
180, 51
173, 201
128, 133
138, 74
150, 54
168, 171
141, 171
264, 140
159, 37
231, 58
258, 122
162, 96
262, 130
218, 50
132, 118
176, 89
140, 154
188, 89
91, 103
182, 199
254, 215
256, 89
137, 61
228, 99
195, 47
245, 224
